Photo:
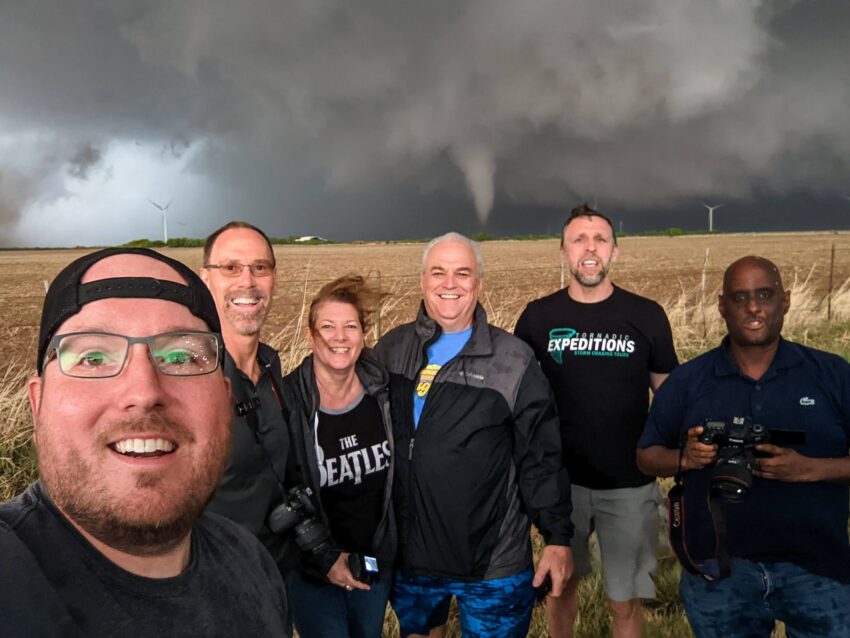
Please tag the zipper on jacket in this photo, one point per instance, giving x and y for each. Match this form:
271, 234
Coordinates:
422, 361
382, 398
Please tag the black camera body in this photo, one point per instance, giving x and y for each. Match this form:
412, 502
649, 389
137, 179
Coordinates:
298, 514
736, 438
738, 432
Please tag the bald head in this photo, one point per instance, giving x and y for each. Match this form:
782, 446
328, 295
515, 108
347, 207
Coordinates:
753, 303
752, 262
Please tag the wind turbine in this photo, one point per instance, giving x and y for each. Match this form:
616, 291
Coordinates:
164, 211
711, 210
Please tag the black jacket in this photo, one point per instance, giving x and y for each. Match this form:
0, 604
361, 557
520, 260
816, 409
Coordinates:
485, 458
259, 445
301, 401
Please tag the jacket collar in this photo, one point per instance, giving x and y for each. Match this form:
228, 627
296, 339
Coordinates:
266, 356
479, 345
372, 375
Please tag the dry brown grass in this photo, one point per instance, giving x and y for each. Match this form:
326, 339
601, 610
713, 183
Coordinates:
16, 455
662, 268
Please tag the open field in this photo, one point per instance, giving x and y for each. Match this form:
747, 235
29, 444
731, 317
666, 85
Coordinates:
515, 272
682, 273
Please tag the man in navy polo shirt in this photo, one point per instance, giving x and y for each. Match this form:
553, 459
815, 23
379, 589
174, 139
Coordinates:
788, 539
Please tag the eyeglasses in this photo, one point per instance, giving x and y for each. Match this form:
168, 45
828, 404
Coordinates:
234, 268
99, 355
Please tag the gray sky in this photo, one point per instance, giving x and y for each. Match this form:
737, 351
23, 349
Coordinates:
393, 119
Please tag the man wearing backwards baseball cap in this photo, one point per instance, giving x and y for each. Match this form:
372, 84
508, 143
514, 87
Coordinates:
132, 421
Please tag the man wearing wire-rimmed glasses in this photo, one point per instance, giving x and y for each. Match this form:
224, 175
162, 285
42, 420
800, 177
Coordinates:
240, 271
132, 426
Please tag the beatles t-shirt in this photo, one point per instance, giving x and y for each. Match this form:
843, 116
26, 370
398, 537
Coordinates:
354, 457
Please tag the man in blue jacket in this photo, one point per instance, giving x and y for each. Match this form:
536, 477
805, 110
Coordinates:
478, 454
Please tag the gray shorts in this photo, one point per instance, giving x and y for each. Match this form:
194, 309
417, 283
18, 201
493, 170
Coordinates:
627, 524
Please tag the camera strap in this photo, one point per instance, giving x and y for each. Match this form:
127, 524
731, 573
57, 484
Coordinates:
676, 518
246, 404
297, 472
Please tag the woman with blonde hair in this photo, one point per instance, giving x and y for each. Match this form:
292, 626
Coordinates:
338, 414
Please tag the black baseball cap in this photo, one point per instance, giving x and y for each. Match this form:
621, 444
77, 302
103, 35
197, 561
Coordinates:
66, 295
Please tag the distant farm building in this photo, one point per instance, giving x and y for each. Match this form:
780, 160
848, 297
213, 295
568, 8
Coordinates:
310, 238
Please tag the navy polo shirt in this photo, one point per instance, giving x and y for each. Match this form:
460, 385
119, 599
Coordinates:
804, 389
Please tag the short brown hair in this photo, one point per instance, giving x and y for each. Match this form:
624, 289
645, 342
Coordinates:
583, 210
210, 242
351, 289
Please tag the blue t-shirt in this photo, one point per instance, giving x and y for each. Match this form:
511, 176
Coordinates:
439, 353
803, 390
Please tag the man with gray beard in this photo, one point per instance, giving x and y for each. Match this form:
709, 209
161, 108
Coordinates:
240, 271
132, 426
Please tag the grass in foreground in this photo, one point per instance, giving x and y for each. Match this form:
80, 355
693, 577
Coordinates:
17, 458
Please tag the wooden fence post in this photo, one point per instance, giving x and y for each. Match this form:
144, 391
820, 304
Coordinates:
829, 289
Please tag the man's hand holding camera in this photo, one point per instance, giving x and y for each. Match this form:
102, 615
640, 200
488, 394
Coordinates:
786, 464
696, 454
774, 461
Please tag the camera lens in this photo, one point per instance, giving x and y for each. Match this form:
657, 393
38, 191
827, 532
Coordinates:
732, 476
311, 535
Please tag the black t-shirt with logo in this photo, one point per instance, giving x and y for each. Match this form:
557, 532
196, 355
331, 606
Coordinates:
598, 357
354, 456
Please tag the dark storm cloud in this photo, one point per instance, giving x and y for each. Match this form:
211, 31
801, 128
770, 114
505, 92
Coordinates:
341, 110
72, 85
86, 157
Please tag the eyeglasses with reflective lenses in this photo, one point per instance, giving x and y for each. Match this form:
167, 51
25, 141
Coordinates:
234, 268
99, 355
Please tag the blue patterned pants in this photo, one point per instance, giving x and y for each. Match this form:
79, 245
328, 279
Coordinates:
493, 608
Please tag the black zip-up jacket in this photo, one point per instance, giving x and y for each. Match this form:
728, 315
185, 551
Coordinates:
301, 401
259, 446
485, 458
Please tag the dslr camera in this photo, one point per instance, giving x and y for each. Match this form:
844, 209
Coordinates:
732, 476
298, 514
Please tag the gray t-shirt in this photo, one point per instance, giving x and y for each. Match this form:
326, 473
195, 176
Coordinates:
53, 582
